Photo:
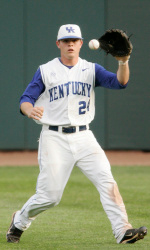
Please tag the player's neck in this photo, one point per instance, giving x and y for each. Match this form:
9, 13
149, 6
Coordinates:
69, 62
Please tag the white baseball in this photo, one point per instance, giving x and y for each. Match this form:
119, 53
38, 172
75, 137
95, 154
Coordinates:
94, 44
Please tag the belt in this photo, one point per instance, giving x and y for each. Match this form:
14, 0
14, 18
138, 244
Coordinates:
68, 130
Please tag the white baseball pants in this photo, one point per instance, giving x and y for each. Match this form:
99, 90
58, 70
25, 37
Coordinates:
58, 154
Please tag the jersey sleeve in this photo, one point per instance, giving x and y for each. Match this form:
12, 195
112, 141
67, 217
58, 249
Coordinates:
106, 79
34, 89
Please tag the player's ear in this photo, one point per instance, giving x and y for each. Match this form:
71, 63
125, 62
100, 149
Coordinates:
81, 41
58, 44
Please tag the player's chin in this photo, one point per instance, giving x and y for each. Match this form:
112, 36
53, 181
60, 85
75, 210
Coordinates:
71, 53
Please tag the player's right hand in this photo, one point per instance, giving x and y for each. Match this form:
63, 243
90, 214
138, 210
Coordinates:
36, 113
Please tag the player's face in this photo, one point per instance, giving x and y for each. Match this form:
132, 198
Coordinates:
69, 48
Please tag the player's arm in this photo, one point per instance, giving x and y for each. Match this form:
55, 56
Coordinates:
34, 89
123, 70
107, 79
30, 111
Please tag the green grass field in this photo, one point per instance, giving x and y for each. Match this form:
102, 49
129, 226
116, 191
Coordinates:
79, 221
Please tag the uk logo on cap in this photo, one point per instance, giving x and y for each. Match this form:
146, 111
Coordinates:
69, 31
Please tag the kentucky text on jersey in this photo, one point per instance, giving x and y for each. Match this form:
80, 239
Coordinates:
75, 88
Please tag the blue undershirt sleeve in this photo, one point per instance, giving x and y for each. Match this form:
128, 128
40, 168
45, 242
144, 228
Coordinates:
34, 89
106, 79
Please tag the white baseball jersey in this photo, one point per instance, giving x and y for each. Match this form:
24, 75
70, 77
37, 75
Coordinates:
69, 97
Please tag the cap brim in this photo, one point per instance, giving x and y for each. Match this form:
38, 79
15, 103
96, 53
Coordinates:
67, 37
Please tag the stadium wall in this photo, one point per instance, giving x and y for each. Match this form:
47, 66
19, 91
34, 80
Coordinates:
29, 29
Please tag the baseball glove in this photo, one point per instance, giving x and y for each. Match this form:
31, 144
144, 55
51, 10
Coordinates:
116, 42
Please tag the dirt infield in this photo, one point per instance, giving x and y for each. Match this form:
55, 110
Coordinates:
117, 158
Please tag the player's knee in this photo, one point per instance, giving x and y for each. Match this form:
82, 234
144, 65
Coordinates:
49, 198
54, 197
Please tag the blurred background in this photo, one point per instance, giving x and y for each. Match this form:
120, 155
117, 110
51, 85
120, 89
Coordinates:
28, 35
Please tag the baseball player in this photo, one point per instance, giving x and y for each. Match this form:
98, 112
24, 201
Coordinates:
61, 98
